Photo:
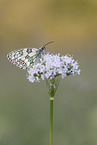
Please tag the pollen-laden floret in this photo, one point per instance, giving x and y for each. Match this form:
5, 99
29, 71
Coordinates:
51, 66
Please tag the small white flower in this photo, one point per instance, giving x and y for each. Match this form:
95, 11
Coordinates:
51, 66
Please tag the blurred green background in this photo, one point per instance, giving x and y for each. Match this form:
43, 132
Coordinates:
24, 107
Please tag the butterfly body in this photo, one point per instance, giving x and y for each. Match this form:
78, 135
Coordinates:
25, 58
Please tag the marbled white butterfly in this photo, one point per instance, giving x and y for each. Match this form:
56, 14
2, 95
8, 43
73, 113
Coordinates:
24, 58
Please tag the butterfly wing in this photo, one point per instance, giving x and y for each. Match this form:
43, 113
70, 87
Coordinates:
23, 58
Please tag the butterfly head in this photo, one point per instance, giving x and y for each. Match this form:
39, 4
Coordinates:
43, 47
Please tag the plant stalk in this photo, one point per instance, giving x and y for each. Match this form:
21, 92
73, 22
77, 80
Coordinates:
51, 120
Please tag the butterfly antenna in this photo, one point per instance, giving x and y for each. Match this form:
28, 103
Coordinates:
48, 43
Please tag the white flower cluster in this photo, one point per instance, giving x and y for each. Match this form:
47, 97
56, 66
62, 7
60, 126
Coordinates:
51, 66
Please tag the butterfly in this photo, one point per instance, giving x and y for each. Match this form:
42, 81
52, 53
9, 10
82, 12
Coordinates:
26, 57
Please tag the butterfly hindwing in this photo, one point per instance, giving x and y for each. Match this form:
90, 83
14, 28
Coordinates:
23, 58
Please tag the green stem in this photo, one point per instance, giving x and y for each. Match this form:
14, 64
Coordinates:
51, 120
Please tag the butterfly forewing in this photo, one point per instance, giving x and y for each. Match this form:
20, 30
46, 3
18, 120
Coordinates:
23, 58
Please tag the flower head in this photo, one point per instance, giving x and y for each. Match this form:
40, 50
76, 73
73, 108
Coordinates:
51, 66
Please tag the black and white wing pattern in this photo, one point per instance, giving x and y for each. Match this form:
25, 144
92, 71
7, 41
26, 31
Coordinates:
25, 57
